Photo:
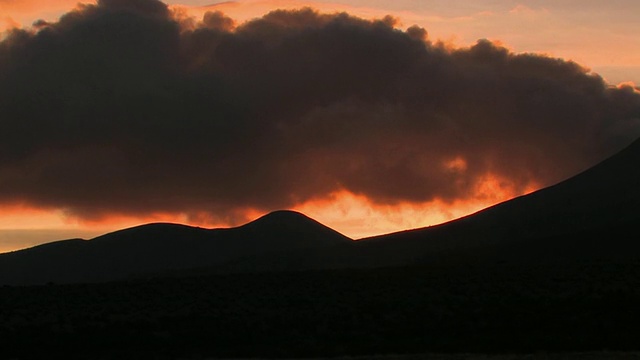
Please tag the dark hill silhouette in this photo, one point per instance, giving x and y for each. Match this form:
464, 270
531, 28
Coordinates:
286, 229
593, 215
161, 248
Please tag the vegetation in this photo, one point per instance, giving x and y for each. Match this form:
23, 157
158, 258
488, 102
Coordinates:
498, 309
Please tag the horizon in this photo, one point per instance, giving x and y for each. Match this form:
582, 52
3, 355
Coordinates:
363, 155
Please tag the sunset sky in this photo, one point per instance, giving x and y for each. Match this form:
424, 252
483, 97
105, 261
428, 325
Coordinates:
133, 111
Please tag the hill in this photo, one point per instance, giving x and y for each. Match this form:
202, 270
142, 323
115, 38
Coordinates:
591, 216
157, 249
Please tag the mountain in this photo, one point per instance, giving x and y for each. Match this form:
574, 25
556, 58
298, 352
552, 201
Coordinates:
594, 215
157, 249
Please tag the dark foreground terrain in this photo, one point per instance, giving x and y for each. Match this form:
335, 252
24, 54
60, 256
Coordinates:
600, 355
502, 309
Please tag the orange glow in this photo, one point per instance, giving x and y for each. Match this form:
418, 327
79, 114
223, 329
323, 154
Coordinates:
21, 216
456, 165
242, 11
23, 226
629, 85
495, 189
357, 216
609, 47
9, 23
353, 215
22, 13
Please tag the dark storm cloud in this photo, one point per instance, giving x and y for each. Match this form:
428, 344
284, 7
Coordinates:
120, 108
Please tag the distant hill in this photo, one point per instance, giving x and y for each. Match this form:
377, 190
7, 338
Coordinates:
594, 216
157, 249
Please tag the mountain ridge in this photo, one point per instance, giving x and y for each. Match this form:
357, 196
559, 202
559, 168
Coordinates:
163, 247
593, 215
599, 197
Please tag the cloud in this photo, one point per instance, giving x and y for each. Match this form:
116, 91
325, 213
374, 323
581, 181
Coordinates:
120, 108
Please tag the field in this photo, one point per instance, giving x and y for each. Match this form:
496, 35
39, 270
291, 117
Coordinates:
500, 310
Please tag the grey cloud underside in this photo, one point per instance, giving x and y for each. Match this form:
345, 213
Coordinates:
120, 107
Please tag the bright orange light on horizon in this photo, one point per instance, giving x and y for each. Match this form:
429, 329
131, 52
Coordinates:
358, 217
353, 215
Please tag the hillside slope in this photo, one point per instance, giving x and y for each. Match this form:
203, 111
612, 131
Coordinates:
592, 215
153, 249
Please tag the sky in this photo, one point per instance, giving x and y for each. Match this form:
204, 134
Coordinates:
369, 116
